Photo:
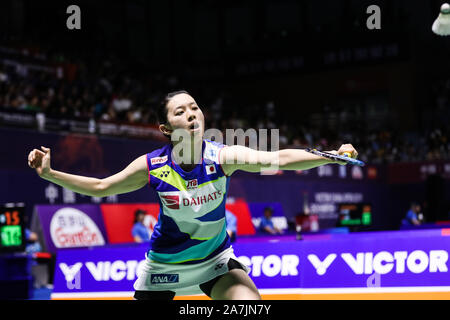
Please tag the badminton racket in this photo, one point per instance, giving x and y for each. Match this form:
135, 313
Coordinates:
335, 157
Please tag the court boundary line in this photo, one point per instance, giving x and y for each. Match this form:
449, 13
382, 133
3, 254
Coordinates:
285, 291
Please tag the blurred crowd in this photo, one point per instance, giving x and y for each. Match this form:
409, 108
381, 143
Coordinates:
109, 89
67, 87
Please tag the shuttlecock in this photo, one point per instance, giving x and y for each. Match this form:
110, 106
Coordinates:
442, 24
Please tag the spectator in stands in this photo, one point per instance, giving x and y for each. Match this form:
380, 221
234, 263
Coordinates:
32, 242
121, 105
266, 224
413, 216
231, 225
140, 232
42, 270
92, 88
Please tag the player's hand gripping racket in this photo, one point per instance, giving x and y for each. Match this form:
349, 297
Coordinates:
335, 157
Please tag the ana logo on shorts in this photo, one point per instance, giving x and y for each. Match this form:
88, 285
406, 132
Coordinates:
164, 278
171, 202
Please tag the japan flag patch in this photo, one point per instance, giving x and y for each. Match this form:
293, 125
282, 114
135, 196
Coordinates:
210, 169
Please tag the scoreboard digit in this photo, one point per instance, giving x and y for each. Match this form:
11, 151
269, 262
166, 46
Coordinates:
11, 236
12, 233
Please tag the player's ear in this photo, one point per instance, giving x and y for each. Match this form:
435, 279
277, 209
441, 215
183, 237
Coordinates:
165, 129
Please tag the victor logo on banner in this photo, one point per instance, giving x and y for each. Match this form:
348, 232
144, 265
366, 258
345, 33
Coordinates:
272, 265
384, 262
116, 270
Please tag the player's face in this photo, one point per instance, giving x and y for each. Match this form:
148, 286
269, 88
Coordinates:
184, 113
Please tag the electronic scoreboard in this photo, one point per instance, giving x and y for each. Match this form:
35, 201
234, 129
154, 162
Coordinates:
12, 227
354, 214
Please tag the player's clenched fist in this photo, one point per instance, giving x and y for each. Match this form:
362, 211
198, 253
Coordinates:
348, 150
40, 160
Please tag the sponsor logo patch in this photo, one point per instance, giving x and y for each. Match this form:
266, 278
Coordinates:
171, 202
158, 160
199, 200
192, 184
164, 278
174, 201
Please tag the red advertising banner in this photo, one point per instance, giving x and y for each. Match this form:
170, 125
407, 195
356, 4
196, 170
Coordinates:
244, 219
119, 218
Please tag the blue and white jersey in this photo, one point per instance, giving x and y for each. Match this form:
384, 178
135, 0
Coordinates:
191, 225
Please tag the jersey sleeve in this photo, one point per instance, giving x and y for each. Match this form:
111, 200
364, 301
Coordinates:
212, 154
156, 159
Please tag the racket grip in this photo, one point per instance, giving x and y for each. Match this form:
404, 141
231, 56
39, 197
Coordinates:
347, 154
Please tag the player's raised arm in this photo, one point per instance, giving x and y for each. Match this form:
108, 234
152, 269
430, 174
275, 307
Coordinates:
242, 158
133, 177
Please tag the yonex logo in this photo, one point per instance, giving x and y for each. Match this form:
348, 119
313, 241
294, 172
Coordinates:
164, 278
171, 202
164, 174
218, 266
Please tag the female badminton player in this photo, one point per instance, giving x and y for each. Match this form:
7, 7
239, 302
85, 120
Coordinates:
190, 250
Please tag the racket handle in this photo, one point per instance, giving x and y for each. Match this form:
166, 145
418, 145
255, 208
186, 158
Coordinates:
344, 157
353, 161
347, 154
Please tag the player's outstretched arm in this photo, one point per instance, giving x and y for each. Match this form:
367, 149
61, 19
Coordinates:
133, 177
242, 158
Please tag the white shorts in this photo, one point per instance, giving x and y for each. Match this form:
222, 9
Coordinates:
183, 279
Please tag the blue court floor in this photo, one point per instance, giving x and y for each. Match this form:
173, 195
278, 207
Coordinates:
41, 294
